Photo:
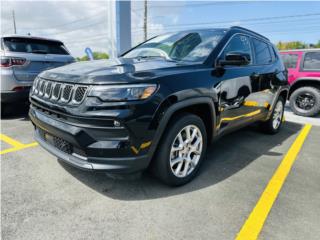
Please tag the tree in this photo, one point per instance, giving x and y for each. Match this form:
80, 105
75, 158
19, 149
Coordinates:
96, 56
296, 45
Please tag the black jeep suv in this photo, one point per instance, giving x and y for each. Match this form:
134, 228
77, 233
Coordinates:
161, 103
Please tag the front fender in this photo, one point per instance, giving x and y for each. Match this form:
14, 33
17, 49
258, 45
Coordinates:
171, 110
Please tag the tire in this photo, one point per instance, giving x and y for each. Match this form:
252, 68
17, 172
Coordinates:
314, 93
274, 123
186, 167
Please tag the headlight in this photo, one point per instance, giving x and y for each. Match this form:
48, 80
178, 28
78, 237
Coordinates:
123, 92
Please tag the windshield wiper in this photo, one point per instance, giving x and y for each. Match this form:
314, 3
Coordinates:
156, 56
39, 51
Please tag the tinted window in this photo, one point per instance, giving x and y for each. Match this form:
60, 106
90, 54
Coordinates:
290, 60
27, 45
312, 61
238, 43
273, 53
193, 46
262, 53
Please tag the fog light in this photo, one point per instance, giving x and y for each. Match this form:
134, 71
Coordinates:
116, 123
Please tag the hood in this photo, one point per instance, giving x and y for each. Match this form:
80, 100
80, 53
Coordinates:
112, 71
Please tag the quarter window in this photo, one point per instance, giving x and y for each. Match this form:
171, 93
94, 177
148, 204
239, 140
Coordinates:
290, 60
311, 61
238, 43
262, 52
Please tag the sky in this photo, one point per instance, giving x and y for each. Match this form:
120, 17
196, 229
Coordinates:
81, 24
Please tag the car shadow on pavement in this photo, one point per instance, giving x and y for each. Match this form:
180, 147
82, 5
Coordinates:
225, 157
15, 111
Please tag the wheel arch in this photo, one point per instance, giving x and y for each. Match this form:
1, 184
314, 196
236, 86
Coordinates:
304, 82
282, 92
204, 107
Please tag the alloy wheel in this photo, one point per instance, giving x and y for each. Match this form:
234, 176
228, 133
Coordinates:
305, 101
277, 115
186, 151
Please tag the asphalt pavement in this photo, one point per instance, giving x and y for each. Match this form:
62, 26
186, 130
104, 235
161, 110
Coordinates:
43, 198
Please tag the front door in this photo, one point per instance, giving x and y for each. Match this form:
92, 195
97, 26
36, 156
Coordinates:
237, 83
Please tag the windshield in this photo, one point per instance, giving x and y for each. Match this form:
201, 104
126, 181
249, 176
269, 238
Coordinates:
29, 45
193, 46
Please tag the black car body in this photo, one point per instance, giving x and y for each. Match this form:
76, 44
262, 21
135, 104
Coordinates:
101, 130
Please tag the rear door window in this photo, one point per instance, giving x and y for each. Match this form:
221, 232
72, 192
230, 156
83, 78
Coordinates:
262, 52
290, 60
311, 61
26, 45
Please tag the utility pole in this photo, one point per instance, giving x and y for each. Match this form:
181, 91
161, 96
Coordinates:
14, 22
145, 20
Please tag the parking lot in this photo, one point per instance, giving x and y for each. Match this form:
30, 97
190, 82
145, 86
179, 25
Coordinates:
46, 199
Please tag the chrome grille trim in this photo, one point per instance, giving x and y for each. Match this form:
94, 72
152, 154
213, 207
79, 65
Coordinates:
38, 86
48, 90
60, 92
79, 94
42, 87
66, 93
56, 91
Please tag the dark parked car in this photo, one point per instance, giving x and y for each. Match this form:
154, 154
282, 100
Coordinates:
22, 59
161, 103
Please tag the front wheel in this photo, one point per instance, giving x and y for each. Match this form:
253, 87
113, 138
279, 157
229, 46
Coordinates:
181, 150
273, 124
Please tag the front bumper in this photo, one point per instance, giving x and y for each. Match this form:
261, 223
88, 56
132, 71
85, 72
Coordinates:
91, 147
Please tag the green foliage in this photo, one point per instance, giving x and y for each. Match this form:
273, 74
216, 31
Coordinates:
96, 56
296, 45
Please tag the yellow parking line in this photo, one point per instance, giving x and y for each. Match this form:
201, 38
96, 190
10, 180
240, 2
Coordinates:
10, 141
16, 145
253, 225
14, 149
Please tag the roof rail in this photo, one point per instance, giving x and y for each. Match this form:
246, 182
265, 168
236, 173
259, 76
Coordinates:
248, 30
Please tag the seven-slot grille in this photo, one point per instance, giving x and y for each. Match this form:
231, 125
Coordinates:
60, 92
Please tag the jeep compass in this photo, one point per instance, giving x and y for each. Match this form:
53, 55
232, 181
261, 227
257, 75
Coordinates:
22, 59
160, 104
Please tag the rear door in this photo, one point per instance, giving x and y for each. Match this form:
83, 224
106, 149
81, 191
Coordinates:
265, 76
292, 62
39, 54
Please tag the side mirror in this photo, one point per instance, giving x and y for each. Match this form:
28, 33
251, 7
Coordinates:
235, 59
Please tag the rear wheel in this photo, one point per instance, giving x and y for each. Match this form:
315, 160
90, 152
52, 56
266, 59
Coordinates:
181, 150
305, 101
273, 125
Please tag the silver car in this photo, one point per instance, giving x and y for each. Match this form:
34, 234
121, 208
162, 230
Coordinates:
22, 59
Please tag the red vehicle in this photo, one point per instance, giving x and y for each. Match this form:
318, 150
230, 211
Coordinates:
304, 78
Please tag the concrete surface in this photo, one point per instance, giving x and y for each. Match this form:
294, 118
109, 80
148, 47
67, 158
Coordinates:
291, 117
46, 199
